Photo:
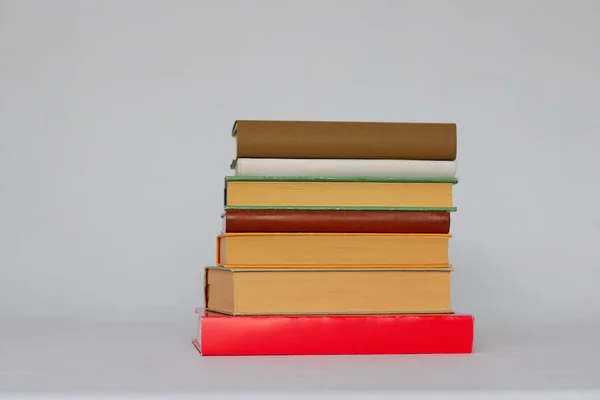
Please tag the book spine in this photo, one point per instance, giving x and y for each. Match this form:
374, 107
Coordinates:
337, 221
344, 168
329, 335
341, 140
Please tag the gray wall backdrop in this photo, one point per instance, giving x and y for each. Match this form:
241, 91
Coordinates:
115, 122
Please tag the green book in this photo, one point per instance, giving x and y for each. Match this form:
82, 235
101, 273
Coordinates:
340, 208
337, 179
338, 193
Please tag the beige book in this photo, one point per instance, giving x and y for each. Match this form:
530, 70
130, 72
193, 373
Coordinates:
327, 291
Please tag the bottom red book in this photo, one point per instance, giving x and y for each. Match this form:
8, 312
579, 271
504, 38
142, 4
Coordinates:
225, 335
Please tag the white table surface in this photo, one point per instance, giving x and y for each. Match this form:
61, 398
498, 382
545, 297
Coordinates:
40, 360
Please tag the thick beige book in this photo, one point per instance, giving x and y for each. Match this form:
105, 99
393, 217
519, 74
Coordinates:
327, 291
291, 249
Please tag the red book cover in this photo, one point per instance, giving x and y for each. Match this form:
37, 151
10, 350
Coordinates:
352, 221
333, 334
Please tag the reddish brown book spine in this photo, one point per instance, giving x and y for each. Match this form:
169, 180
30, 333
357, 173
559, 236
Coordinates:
337, 221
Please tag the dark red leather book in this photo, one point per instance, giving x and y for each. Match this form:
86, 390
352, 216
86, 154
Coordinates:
328, 335
336, 221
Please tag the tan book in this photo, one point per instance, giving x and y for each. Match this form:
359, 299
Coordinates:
327, 291
290, 249
336, 139
405, 193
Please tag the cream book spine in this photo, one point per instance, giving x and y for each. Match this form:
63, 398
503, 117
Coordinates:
344, 167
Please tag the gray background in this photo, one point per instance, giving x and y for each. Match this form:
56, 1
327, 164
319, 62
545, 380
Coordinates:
115, 122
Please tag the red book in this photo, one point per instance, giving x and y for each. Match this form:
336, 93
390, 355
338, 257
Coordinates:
328, 334
354, 221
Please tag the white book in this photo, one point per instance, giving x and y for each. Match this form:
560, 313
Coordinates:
344, 167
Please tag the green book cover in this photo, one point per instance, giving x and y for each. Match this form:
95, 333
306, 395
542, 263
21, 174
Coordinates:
337, 179
338, 208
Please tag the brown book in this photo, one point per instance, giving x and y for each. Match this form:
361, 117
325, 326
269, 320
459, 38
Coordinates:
328, 291
360, 140
336, 221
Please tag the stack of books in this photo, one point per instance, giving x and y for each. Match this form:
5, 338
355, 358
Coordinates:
335, 241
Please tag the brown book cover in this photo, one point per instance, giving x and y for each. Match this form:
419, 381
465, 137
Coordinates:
336, 221
332, 139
